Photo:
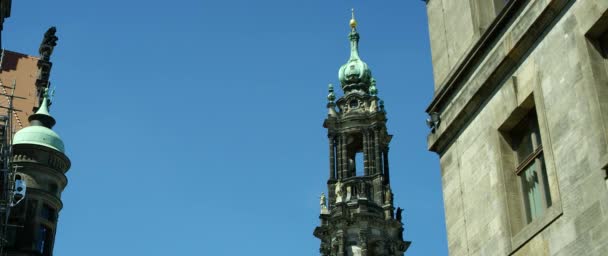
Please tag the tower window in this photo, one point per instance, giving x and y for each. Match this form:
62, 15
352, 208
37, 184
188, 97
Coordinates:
359, 164
48, 213
42, 230
44, 240
528, 150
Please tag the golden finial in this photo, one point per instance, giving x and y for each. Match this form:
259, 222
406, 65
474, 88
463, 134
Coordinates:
353, 22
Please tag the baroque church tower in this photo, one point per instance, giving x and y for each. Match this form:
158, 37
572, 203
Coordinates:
357, 216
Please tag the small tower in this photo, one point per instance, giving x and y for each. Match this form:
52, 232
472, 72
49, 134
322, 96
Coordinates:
40, 161
357, 216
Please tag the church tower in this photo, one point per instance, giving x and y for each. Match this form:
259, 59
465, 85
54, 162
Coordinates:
40, 162
357, 216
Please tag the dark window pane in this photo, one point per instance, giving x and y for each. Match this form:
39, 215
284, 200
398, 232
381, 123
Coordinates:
545, 181
41, 238
526, 142
524, 147
603, 41
48, 213
532, 192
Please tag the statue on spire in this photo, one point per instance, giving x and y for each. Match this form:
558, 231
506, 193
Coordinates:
48, 44
44, 64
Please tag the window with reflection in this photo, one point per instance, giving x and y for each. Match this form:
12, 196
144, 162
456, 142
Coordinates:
528, 150
44, 240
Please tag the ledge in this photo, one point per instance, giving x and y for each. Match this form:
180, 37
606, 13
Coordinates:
471, 84
535, 227
474, 55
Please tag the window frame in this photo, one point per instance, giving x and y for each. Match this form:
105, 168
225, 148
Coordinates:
529, 128
521, 231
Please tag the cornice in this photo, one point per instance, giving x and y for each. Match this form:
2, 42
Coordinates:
464, 93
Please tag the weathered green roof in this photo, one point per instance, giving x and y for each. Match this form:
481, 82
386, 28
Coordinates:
39, 132
39, 135
355, 70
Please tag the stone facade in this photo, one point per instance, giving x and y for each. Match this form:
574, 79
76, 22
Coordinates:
37, 155
507, 70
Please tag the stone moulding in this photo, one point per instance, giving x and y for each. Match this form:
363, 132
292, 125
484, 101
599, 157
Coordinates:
459, 100
475, 54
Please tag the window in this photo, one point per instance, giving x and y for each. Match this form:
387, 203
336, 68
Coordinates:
48, 213
359, 163
42, 231
528, 150
44, 240
598, 39
531, 190
606, 176
602, 42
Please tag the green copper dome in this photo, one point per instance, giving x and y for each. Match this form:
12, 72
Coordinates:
39, 132
355, 74
39, 135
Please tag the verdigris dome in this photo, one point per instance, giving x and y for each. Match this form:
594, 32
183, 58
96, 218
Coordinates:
355, 73
39, 135
39, 132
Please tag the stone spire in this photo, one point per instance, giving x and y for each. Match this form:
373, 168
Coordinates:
359, 218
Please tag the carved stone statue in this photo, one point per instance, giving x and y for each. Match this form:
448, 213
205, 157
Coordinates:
323, 203
349, 193
388, 195
48, 44
323, 200
44, 63
338, 191
398, 214
363, 191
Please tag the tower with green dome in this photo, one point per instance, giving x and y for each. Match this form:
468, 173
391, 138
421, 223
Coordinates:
358, 216
40, 160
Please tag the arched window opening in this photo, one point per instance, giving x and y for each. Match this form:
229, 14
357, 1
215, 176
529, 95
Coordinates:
359, 164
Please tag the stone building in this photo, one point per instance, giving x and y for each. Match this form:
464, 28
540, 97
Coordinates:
38, 156
519, 119
357, 217
33, 161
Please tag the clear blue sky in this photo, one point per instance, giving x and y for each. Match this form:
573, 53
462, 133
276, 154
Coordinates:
195, 127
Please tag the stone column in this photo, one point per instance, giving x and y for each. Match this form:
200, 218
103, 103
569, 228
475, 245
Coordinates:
377, 150
344, 157
365, 152
339, 156
370, 151
332, 158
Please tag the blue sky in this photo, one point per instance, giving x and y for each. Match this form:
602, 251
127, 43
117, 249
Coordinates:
195, 127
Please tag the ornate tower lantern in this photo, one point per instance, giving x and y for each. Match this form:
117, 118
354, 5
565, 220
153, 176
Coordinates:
357, 217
